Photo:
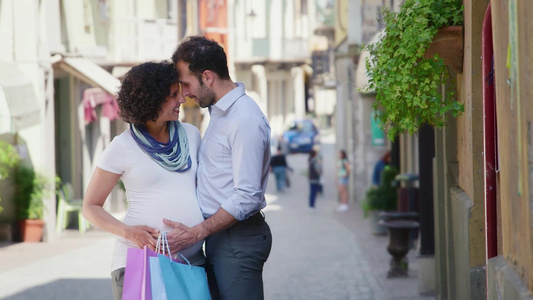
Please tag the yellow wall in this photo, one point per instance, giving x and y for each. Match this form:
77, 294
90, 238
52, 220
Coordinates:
526, 53
470, 129
513, 44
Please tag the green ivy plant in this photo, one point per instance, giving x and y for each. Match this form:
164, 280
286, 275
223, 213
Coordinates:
9, 159
407, 85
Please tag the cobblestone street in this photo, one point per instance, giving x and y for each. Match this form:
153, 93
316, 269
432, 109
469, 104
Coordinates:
325, 254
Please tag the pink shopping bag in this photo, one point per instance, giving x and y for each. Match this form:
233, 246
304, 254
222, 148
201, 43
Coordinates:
137, 274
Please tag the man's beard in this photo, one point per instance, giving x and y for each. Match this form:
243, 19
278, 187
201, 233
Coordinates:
206, 97
206, 101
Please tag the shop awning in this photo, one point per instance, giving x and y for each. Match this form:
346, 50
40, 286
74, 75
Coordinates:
18, 100
361, 76
93, 74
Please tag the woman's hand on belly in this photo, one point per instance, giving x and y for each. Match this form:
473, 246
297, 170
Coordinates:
142, 235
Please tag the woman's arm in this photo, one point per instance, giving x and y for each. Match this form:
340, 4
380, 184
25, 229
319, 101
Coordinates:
97, 192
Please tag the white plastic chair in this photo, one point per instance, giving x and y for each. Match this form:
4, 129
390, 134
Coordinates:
67, 204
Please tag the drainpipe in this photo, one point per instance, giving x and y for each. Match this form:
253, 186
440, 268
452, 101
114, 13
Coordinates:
489, 138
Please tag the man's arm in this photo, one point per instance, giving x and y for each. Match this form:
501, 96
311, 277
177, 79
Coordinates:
183, 237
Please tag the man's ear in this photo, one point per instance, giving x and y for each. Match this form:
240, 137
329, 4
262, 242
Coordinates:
208, 77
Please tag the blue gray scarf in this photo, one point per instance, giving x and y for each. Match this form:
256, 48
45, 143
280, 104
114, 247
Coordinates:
174, 155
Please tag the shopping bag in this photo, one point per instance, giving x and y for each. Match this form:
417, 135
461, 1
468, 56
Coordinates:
183, 281
156, 276
156, 280
137, 285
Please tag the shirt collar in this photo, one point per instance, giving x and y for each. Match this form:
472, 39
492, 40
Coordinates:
227, 100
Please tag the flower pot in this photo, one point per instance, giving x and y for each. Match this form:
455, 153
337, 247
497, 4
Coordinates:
448, 44
399, 245
31, 230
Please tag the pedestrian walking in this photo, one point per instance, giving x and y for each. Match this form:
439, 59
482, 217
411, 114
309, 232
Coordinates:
156, 160
343, 174
314, 172
379, 167
232, 174
279, 166
320, 162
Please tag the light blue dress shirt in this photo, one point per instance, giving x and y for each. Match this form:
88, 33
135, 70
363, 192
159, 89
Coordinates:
234, 157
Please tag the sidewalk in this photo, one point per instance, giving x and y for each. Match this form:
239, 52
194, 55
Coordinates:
375, 253
73, 266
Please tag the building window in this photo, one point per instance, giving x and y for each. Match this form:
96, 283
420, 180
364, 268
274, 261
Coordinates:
172, 7
303, 7
320, 62
182, 11
102, 7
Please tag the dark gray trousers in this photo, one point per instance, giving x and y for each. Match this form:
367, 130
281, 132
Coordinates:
235, 259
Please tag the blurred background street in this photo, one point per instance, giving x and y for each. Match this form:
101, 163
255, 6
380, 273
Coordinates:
322, 254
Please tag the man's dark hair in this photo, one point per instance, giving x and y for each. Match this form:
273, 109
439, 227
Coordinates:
202, 54
144, 89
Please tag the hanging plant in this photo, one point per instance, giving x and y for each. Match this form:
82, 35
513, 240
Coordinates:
407, 85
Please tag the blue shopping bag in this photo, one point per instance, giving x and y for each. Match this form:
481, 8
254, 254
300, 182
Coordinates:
182, 281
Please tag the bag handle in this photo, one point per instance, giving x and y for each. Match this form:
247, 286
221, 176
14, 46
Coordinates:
162, 243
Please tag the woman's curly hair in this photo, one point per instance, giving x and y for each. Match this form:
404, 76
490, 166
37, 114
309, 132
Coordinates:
144, 89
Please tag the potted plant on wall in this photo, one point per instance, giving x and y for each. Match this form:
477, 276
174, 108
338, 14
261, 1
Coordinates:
32, 188
381, 198
9, 159
405, 76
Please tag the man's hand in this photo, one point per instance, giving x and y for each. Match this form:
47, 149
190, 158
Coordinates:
142, 235
181, 237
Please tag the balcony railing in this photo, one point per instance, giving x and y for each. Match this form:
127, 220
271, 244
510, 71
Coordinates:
295, 49
272, 49
140, 40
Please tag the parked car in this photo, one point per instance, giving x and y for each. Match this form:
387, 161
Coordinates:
301, 136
